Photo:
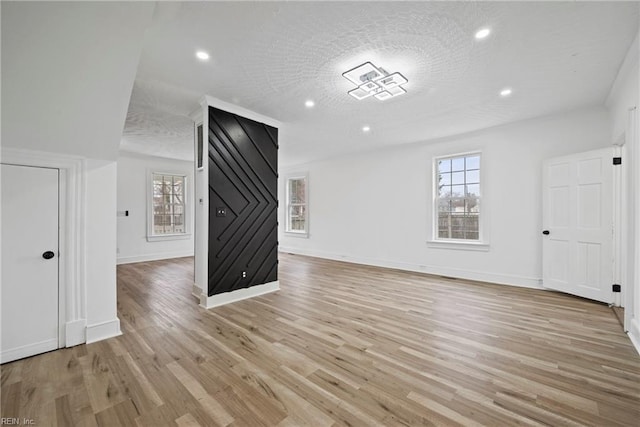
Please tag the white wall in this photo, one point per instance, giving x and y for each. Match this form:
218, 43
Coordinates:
375, 208
100, 250
133, 188
624, 95
67, 74
66, 82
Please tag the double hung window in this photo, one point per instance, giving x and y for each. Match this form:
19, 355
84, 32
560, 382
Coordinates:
297, 218
458, 196
168, 205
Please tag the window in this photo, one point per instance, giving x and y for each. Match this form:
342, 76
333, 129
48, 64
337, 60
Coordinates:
168, 205
297, 220
457, 201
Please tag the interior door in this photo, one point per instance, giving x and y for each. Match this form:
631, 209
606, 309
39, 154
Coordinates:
29, 289
578, 224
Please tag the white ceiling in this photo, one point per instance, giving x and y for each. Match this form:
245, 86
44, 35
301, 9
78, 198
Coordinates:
270, 57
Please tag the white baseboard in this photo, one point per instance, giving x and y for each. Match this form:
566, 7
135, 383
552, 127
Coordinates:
28, 350
104, 330
480, 276
75, 332
237, 295
152, 257
634, 334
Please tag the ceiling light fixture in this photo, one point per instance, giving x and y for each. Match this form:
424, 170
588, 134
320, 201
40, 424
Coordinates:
309, 103
505, 92
482, 33
202, 55
374, 81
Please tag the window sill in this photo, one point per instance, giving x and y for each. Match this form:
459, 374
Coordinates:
303, 235
458, 245
165, 237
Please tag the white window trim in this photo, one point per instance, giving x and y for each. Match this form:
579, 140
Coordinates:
151, 237
305, 176
482, 244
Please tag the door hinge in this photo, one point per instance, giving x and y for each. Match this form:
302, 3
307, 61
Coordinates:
617, 160
616, 288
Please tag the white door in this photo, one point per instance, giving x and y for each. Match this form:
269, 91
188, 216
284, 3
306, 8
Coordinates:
29, 287
577, 221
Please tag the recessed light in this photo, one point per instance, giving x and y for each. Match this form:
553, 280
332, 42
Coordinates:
506, 92
309, 103
482, 33
202, 55
366, 128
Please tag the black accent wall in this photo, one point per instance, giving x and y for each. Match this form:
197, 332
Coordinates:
243, 202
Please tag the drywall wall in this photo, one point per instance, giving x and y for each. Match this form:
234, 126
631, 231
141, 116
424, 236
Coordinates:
624, 92
133, 189
375, 208
66, 83
67, 74
625, 96
100, 250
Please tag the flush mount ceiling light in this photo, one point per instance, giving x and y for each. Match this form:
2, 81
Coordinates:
374, 81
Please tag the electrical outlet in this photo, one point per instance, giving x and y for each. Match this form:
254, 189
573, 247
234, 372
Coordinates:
244, 274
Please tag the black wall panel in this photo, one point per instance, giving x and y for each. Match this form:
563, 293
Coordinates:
243, 202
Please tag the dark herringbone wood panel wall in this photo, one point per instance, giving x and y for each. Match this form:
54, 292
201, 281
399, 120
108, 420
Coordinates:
243, 199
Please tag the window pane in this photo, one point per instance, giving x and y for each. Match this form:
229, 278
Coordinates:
457, 178
178, 185
444, 178
457, 164
444, 205
471, 227
445, 191
457, 191
457, 225
444, 225
296, 191
472, 206
297, 218
444, 165
473, 177
473, 162
457, 205
473, 190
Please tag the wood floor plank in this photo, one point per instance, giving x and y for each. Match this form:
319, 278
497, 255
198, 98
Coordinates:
339, 344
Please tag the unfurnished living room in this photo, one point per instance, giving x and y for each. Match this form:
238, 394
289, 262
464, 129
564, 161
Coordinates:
318, 213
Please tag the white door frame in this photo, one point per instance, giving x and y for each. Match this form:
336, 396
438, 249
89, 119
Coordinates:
71, 274
620, 222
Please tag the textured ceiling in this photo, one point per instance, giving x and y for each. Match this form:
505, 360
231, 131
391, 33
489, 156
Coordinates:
270, 57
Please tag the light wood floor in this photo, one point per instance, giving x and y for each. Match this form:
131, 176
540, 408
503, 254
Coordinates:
340, 344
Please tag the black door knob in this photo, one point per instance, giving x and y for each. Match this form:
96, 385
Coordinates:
48, 255
546, 232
